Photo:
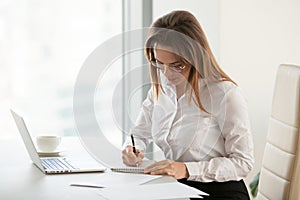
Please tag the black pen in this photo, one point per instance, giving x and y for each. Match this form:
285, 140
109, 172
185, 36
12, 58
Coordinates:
133, 144
86, 185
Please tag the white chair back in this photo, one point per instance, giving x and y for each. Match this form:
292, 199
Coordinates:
280, 173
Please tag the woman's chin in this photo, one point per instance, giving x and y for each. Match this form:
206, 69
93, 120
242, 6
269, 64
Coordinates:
175, 81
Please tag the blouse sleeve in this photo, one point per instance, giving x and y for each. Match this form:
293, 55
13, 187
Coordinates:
142, 128
234, 124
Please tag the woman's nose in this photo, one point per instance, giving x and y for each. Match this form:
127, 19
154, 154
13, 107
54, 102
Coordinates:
167, 71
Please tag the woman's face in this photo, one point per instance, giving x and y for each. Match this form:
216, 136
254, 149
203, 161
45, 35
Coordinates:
168, 60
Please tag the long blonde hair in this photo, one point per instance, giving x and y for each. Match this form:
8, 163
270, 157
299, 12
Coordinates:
181, 31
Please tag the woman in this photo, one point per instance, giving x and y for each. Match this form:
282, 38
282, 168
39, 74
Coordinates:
194, 112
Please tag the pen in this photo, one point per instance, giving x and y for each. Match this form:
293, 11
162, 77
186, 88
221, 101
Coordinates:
86, 185
133, 144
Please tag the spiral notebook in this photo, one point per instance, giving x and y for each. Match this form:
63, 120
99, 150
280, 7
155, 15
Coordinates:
138, 170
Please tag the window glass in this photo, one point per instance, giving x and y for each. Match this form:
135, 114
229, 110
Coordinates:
43, 45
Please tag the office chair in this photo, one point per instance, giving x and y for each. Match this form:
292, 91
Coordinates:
280, 173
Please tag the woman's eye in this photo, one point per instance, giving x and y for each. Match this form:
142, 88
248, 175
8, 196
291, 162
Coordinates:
176, 67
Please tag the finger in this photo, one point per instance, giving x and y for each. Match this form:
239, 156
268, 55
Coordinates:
150, 167
154, 167
124, 153
141, 154
129, 158
158, 165
124, 156
126, 161
130, 163
132, 159
164, 171
139, 162
132, 156
129, 149
158, 172
164, 162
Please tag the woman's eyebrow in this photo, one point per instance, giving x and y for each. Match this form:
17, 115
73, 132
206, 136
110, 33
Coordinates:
169, 63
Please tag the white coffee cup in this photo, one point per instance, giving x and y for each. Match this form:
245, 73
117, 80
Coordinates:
48, 143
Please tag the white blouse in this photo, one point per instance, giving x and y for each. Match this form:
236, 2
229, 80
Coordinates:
215, 146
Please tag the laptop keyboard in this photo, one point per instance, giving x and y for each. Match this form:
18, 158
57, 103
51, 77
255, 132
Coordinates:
57, 164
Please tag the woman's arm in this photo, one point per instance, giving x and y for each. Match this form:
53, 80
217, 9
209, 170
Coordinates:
234, 124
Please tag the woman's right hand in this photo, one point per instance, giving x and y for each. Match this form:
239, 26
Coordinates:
132, 159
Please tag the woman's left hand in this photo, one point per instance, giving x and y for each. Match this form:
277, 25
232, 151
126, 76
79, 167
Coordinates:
168, 167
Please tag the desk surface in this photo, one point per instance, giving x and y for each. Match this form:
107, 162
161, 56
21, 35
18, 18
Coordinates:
21, 179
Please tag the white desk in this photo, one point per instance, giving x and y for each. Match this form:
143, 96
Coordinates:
20, 179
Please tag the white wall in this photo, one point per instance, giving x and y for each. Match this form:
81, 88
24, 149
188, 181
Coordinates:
207, 12
255, 37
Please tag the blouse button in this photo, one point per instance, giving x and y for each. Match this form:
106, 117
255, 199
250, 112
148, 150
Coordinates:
206, 120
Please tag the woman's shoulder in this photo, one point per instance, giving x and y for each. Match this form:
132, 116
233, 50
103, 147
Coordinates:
219, 87
222, 92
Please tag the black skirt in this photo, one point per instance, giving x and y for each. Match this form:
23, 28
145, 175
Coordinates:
221, 190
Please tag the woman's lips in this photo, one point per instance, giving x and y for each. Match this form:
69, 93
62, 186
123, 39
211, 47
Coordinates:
172, 79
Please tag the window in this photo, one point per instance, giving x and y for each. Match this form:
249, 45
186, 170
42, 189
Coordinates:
42, 47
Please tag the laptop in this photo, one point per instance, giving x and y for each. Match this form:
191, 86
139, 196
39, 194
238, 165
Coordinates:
55, 165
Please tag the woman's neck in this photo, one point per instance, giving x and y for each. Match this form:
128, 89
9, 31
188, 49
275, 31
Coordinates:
180, 90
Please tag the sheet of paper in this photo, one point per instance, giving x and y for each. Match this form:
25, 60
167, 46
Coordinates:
151, 191
118, 179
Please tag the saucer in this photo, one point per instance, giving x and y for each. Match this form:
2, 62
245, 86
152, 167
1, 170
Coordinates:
56, 152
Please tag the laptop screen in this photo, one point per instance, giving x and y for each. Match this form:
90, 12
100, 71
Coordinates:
27, 140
